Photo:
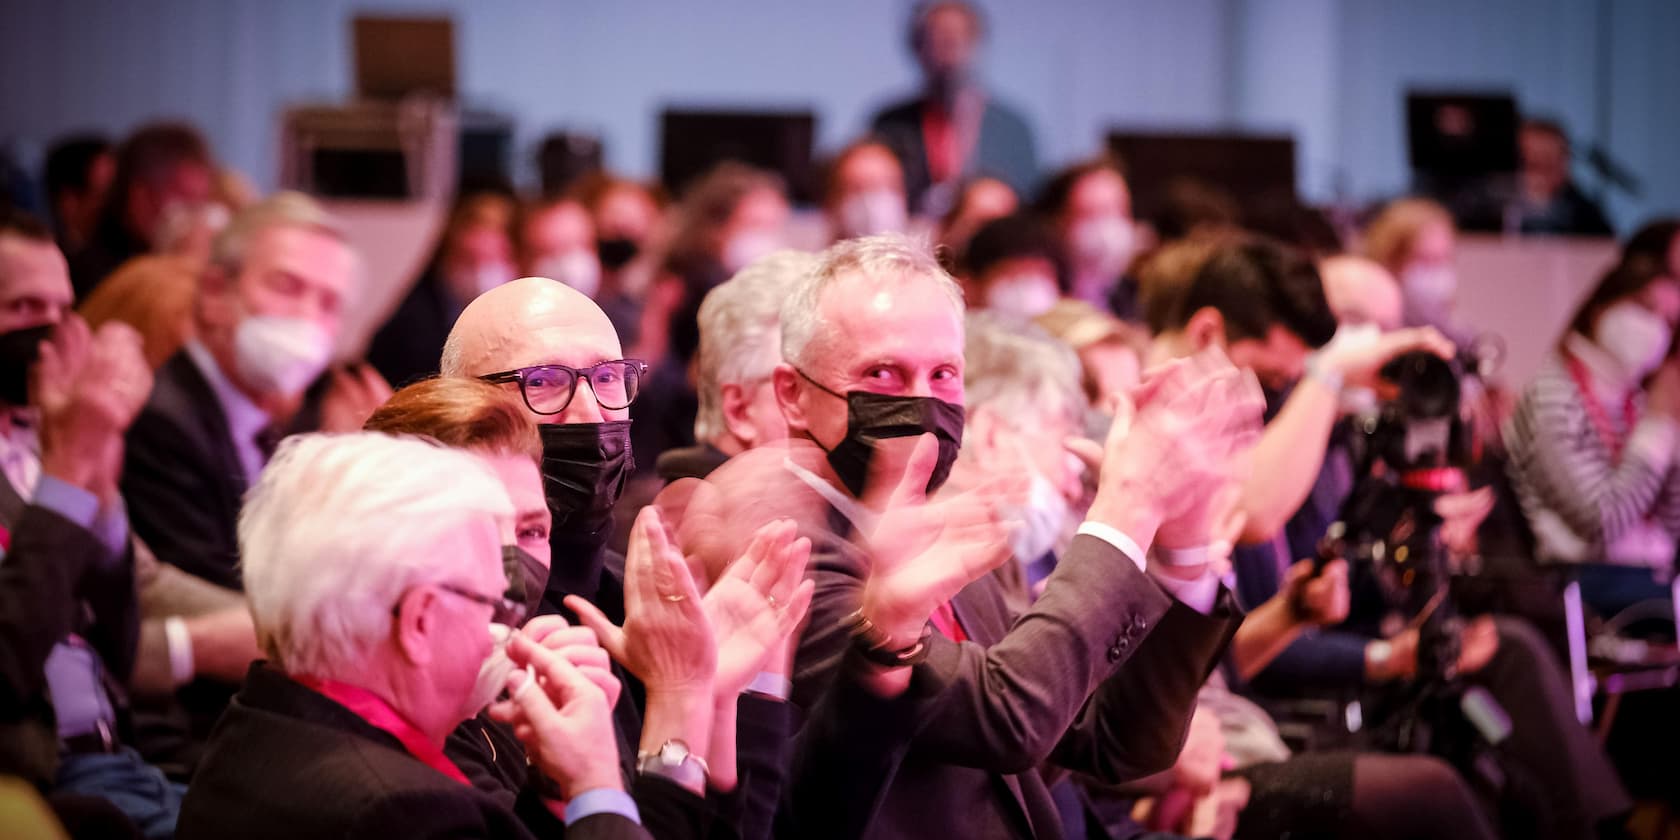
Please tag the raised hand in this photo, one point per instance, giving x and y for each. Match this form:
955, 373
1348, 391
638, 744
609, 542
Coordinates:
578, 646
88, 387
756, 604
353, 395
563, 719
666, 640
1359, 355
1320, 599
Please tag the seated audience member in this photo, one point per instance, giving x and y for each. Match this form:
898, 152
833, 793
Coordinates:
1110, 350
1266, 308
374, 567
1592, 444
629, 232
1550, 201
954, 128
557, 351
879, 321
1090, 207
557, 241
154, 295
1193, 208
864, 193
1658, 241
1415, 239
160, 168
1013, 267
474, 254
979, 201
732, 216
67, 608
740, 346
77, 177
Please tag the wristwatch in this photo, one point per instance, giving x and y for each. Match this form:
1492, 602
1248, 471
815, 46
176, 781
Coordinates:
877, 647
676, 762
1378, 653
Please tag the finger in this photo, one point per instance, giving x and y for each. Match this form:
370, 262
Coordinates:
639, 587
538, 628
373, 383
608, 634
531, 702
567, 637
912, 485
592, 656
795, 559
604, 680
797, 606
563, 681
1089, 452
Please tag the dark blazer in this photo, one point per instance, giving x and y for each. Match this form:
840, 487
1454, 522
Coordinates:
182, 479
410, 343
1071, 684
56, 579
288, 762
1005, 148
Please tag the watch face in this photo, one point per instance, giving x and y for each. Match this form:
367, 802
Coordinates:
674, 752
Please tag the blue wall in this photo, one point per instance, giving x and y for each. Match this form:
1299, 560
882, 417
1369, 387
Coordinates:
1333, 71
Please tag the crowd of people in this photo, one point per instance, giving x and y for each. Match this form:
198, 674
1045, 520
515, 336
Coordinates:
996, 512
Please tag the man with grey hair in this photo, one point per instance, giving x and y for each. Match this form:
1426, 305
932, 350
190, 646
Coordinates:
374, 566
1099, 676
740, 346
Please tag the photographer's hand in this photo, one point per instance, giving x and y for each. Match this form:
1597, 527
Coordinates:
1358, 357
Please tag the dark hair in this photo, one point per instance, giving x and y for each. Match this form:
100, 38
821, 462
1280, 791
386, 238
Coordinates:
23, 225
1547, 125
69, 160
1653, 240
1625, 279
150, 152
1011, 237
1192, 204
831, 168
1255, 286
922, 11
1292, 222
1056, 192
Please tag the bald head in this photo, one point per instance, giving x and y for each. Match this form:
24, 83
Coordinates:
1361, 292
533, 321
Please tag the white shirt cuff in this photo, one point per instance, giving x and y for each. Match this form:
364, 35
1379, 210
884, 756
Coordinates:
179, 642
602, 801
770, 685
1198, 594
1113, 536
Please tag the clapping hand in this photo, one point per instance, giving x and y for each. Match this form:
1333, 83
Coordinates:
564, 719
88, 387
755, 606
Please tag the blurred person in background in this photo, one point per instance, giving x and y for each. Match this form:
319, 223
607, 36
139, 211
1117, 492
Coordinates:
1416, 241
1550, 201
474, 254
1110, 352
1090, 208
77, 177
1013, 267
1657, 241
557, 241
979, 201
864, 192
630, 231
162, 169
154, 295
954, 128
732, 216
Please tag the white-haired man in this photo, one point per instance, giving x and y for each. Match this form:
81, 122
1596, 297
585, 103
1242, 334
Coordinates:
872, 389
740, 346
374, 568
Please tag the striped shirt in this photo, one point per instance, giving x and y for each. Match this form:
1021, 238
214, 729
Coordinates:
1584, 503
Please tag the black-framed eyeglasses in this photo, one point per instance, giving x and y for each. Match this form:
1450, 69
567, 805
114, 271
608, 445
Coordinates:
503, 610
548, 389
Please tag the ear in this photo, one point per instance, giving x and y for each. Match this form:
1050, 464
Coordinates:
416, 625
789, 389
1206, 327
734, 399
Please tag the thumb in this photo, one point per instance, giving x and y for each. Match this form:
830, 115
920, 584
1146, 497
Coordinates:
912, 486
610, 635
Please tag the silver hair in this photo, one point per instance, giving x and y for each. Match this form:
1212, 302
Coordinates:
1017, 370
283, 209
740, 342
340, 526
805, 334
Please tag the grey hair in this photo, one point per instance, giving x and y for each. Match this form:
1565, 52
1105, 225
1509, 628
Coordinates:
340, 526
805, 333
739, 338
1017, 370
283, 209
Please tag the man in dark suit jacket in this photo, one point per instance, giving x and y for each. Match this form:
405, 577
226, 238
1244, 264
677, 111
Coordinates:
1100, 675
954, 129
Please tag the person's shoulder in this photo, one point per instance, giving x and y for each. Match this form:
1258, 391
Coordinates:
898, 112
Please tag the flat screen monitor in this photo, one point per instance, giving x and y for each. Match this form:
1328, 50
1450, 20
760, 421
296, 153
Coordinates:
693, 141
1461, 134
1257, 171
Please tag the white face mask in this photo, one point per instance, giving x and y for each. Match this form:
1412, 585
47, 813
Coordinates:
280, 356
1429, 289
1103, 245
493, 674
579, 269
877, 211
1043, 517
739, 252
1636, 336
490, 275
1026, 295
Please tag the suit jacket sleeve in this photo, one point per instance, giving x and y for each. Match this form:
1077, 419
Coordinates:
1007, 706
39, 579
763, 730
171, 497
669, 810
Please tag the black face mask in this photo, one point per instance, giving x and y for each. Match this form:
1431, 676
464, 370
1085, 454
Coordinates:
616, 253
584, 469
871, 418
18, 351
526, 576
